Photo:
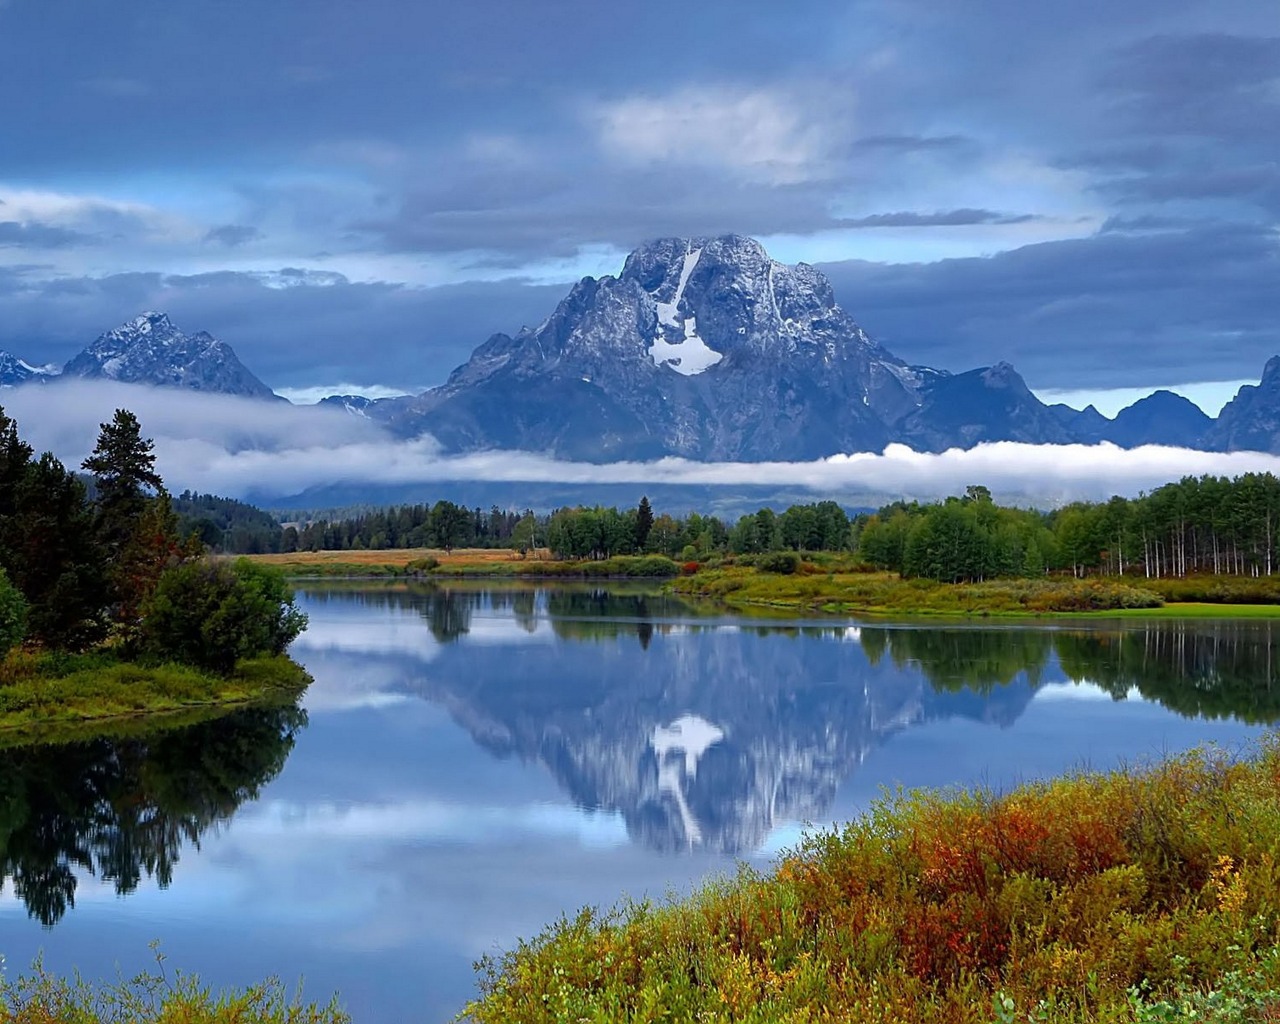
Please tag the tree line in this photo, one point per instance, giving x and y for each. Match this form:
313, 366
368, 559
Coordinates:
1207, 524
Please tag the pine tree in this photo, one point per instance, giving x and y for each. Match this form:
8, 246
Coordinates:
124, 473
644, 522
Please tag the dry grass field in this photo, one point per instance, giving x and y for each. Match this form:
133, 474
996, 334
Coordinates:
395, 559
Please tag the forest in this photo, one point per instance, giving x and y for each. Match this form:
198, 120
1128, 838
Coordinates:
1207, 524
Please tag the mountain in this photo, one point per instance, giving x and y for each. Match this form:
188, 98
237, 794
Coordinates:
704, 348
151, 350
14, 371
988, 404
1251, 420
1087, 425
1160, 418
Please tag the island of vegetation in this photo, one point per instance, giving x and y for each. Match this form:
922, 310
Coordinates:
106, 611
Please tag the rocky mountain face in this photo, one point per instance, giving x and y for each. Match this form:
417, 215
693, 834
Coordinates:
15, 371
151, 350
1251, 420
706, 348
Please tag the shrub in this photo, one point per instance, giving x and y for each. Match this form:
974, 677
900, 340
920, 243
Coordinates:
211, 614
785, 562
422, 565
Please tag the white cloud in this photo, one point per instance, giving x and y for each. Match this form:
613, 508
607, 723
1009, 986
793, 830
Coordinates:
761, 134
239, 446
311, 395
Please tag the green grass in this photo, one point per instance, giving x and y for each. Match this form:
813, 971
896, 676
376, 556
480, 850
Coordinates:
47, 692
888, 594
1135, 896
153, 997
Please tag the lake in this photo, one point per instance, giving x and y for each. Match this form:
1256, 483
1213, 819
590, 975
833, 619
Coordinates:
475, 760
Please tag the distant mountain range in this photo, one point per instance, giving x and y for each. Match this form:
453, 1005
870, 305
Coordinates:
149, 350
703, 348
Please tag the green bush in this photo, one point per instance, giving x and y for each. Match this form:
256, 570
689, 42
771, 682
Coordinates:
785, 562
422, 565
211, 614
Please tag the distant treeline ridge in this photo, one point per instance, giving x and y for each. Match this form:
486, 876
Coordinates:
1198, 524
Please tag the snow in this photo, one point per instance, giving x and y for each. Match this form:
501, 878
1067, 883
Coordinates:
690, 355
111, 367
668, 314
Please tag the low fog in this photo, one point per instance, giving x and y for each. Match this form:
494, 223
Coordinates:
239, 447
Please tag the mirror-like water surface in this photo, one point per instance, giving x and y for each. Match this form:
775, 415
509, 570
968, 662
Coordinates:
473, 761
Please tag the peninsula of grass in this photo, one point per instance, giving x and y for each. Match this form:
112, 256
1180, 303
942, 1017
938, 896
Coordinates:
881, 593
1135, 896
42, 695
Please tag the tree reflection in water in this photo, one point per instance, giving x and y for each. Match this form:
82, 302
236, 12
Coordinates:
123, 807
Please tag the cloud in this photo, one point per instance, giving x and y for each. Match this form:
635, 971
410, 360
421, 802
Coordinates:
1140, 303
239, 446
232, 235
19, 235
940, 218
758, 134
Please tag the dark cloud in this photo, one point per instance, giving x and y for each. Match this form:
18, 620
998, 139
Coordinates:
941, 218
232, 235
20, 235
1122, 308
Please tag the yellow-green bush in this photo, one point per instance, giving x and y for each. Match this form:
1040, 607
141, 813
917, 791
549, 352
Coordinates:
1097, 898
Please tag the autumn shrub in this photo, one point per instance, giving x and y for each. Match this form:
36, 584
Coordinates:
1094, 898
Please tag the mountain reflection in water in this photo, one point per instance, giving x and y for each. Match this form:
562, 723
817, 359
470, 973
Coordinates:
123, 807
711, 741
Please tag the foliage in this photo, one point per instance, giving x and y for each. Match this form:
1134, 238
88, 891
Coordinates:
227, 525
154, 998
13, 615
211, 614
785, 562
1094, 898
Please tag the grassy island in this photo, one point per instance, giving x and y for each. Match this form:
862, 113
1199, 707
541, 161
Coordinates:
1136, 896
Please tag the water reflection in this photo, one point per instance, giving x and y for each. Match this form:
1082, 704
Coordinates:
121, 808
713, 737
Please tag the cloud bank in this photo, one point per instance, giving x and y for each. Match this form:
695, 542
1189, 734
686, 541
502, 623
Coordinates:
242, 447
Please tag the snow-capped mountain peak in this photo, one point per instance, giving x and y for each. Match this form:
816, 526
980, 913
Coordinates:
151, 349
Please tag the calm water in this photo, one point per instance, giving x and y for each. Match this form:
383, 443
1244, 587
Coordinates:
473, 762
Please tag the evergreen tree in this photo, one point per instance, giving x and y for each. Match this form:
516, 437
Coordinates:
124, 474
644, 522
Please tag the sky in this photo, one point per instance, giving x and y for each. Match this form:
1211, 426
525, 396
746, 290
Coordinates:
354, 196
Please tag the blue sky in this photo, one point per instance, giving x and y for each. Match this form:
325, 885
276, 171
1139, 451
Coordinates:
361, 193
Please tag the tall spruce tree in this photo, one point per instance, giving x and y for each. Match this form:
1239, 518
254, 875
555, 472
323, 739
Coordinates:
644, 522
134, 523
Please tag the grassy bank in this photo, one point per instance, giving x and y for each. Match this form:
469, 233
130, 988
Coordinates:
157, 997
888, 594
45, 694
1138, 896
